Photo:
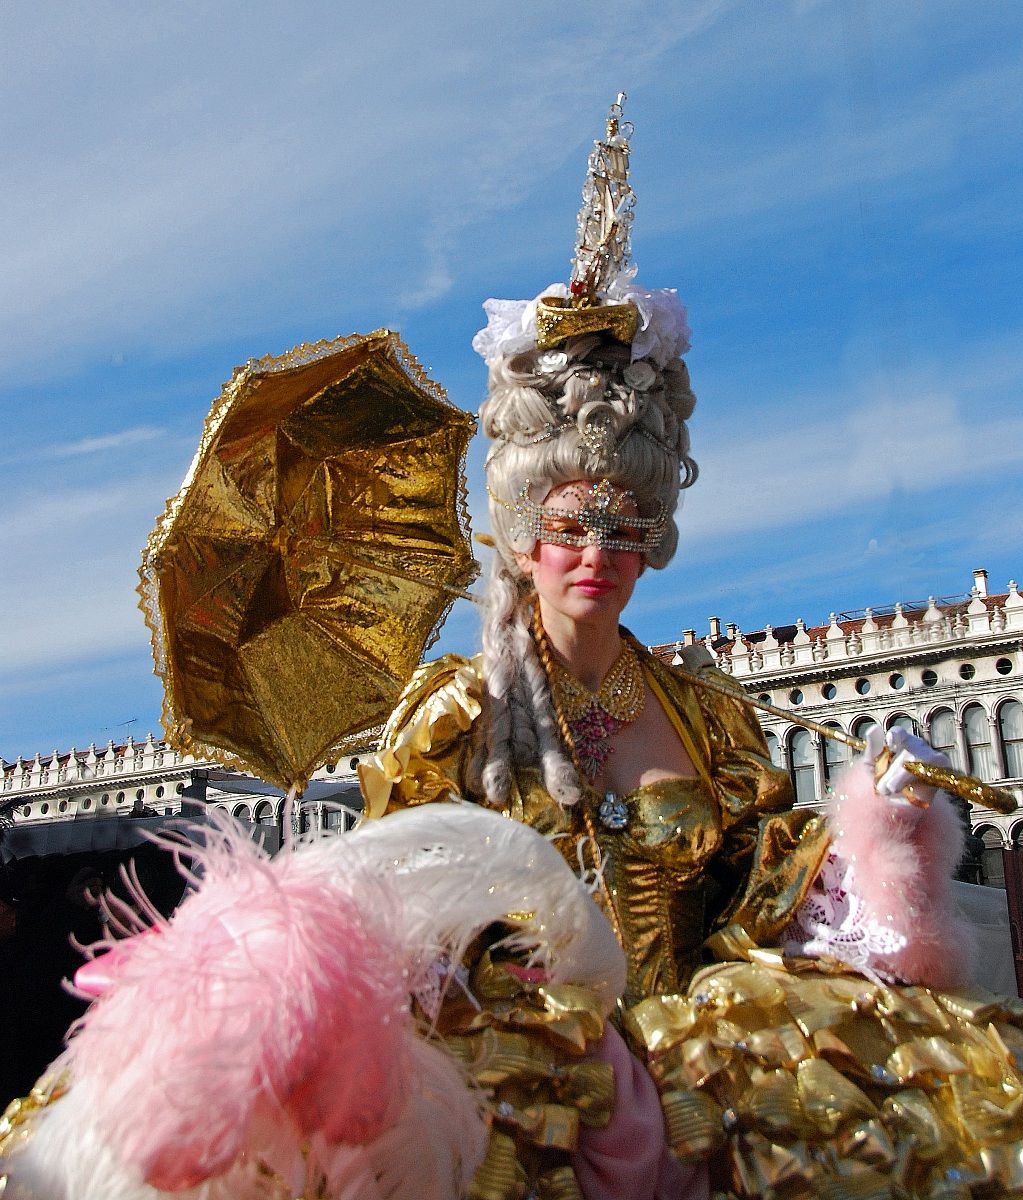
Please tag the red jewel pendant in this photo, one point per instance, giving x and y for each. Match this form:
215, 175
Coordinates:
591, 736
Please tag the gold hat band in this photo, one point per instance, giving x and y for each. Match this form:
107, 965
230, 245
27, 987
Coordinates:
557, 320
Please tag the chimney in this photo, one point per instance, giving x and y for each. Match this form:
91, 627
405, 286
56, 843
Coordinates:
733, 631
715, 628
980, 582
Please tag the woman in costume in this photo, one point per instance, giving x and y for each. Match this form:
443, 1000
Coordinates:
801, 1065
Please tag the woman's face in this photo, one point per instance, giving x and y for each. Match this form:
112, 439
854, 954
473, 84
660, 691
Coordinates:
579, 568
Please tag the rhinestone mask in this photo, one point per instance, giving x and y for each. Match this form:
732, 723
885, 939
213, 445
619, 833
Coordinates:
598, 521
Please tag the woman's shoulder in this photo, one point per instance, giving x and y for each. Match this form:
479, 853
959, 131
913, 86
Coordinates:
422, 753
450, 684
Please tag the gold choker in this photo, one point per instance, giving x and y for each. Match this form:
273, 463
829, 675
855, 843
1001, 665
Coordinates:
590, 719
621, 694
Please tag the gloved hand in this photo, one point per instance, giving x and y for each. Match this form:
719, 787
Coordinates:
895, 781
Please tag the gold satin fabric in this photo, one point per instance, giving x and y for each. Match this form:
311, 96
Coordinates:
698, 854
557, 320
825, 1084
525, 1046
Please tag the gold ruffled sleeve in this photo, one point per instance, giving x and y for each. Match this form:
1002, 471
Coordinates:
771, 853
426, 745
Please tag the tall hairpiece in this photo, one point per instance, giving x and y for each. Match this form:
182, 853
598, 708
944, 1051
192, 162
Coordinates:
602, 295
603, 247
603, 243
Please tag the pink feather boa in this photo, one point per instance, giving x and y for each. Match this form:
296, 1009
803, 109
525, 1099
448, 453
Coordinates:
272, 1001
903, 869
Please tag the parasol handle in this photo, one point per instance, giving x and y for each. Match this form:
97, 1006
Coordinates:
967, 787
288, 816
948, 779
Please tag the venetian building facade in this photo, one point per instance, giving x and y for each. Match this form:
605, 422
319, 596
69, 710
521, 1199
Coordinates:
102, 798
950, 670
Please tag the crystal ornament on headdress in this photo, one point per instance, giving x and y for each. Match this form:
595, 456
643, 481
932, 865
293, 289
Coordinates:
602, 249
598, 521
598, 436
602, 296
604, 241
603, 246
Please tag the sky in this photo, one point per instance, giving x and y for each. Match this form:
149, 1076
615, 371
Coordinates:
833, 187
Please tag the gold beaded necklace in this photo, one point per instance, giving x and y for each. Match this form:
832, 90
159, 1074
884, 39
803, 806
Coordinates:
590, 719
590, 842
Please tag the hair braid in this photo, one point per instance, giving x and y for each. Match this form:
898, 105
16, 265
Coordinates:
520, 724
543, 648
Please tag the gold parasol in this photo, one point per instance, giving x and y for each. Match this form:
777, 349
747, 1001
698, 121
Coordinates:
309, 557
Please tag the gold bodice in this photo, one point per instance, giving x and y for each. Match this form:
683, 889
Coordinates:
655, 871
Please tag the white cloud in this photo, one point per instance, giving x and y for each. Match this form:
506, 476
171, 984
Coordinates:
829, 447
787, 167
157, 195
70, 568
103, 442
837, 458
80, 616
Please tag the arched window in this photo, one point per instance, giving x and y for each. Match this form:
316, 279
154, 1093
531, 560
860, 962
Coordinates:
862, 726
836, 757
993, 869
978, 742
801, 758
1010, 730
942, 734
773, 748
243, 812
901, 721
265, 813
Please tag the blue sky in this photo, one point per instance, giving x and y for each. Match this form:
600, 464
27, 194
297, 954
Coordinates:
833, 187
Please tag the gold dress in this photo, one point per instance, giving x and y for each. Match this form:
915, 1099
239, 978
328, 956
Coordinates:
798, 1077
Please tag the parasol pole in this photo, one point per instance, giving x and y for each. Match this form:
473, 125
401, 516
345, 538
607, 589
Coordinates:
288, 816
390, 569
967, 787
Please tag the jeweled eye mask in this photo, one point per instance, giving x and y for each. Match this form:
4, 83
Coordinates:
598, 521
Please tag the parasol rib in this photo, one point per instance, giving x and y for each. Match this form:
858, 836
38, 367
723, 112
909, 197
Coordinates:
390, 569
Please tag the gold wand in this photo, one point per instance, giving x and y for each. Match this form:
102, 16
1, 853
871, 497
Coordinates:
947, 778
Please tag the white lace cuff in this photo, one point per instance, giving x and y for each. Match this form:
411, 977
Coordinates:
833, 921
